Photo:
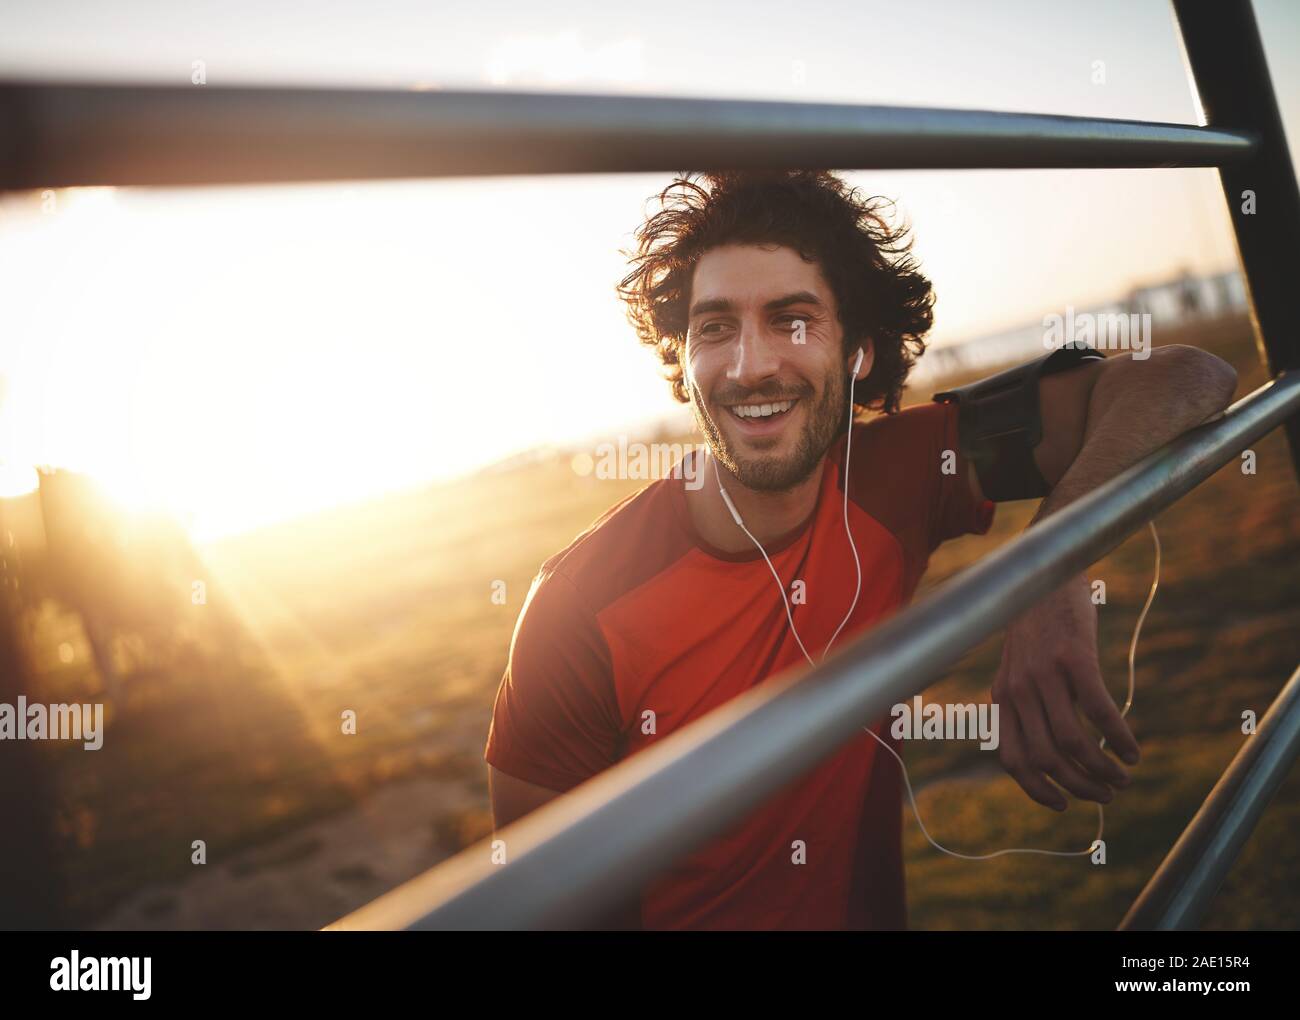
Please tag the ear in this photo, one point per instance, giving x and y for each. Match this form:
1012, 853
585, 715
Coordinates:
868, 358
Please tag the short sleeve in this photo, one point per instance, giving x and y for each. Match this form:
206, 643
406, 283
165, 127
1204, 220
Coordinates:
555, 722
955, 509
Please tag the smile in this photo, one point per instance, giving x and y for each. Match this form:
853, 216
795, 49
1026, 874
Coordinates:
762, 410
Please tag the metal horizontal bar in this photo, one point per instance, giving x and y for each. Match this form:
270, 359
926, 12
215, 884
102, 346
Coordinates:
588, 850
1181, 890
61, 135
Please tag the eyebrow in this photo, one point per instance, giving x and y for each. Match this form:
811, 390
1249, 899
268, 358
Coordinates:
799, 297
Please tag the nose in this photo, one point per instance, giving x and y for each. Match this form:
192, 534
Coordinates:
756, 358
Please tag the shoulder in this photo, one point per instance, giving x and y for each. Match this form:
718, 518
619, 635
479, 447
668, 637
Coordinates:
635, 539
921, 424
906, 444
908, 473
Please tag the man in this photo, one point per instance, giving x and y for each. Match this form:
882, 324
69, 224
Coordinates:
757, 291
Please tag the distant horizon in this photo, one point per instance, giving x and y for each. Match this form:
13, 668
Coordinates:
676, 419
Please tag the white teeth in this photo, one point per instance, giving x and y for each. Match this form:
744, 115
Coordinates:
761, 410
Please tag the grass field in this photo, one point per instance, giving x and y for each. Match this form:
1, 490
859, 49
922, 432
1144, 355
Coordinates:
234, 736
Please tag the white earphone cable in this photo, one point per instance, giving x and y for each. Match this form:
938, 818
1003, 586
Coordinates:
1132, 653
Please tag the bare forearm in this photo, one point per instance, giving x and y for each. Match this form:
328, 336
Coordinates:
1050, 677
1136, 407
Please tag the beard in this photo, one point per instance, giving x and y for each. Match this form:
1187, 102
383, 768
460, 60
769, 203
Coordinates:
777, 472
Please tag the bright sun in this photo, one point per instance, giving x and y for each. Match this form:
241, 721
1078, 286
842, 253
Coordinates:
240, 356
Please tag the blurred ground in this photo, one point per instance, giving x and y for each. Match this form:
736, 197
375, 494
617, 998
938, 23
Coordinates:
233, 735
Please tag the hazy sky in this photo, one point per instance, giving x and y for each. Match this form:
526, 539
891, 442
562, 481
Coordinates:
313, 343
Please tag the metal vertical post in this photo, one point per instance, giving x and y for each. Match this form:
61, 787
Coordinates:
1225, 55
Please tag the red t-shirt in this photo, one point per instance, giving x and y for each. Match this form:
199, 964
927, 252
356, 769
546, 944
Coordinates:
640, 614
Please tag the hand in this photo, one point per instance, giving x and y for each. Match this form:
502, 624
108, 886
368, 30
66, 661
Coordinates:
1050, 673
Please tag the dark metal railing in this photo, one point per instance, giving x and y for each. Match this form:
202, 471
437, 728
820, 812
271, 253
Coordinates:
64, 135
1180, 892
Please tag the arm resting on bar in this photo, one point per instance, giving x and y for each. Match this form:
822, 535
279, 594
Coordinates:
1097, 420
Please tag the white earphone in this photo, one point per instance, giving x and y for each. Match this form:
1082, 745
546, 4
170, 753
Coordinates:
848, 446
726, 498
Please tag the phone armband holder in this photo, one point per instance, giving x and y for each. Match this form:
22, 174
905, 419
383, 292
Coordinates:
1000, 423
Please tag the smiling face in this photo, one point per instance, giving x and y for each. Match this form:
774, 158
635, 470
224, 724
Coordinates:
769, 396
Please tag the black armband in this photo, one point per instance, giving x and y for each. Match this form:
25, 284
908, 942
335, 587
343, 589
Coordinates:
1000, 423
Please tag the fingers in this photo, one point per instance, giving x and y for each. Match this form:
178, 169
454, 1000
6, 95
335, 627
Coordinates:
1041, 747
1045, 682
1098, 706
1073, 740
1012, 754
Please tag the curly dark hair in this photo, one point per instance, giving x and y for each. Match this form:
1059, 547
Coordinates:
877, 283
